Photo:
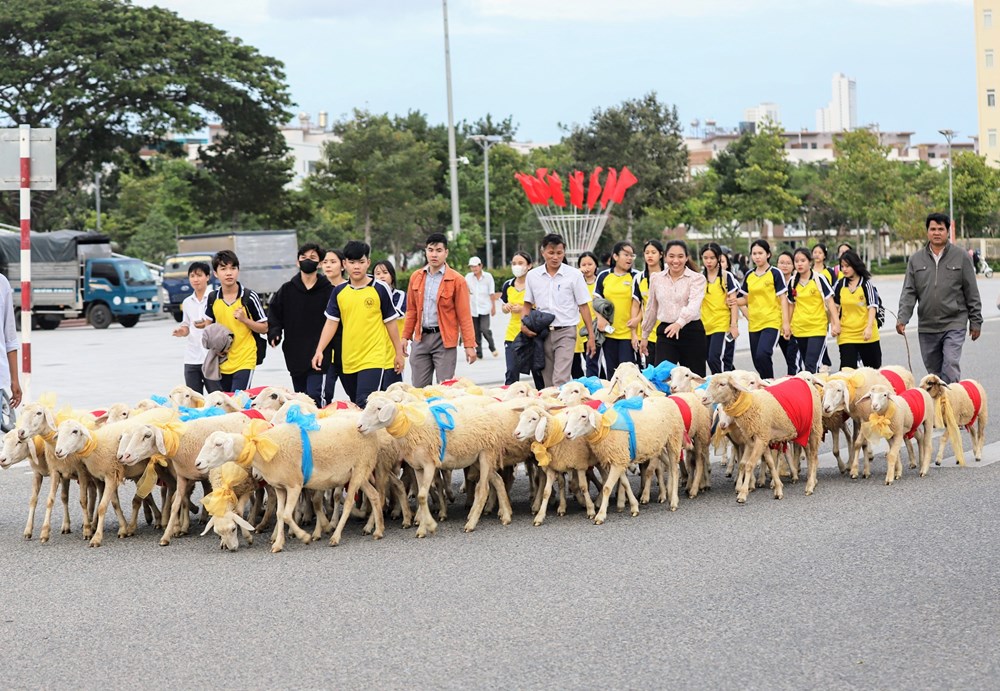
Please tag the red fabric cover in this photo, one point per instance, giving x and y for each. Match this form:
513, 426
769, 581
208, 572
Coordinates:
685, 409
253, 413
795, 397
448, 382
337, 405
252, 393
596, 405
97, 413
898, 387
914, 398
977, 400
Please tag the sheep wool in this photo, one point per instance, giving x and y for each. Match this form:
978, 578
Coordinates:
172, 431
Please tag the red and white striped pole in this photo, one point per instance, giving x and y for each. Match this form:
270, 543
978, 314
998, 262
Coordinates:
25, 141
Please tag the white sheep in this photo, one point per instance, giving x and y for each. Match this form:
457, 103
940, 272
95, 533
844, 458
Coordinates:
847, 391
898, 418
32, 449
341, 456
762, 421
954, 407
186, 397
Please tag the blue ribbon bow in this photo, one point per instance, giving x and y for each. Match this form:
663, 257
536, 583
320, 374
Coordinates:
306, 424
592, 383
159, 400
188, 414
623, 420
660, 375
445, 422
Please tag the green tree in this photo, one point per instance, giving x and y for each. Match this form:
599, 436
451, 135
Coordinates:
507, 201
115, 78
810, 183
645, 135
975, 188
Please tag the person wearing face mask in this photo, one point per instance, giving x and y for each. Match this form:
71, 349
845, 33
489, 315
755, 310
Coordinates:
512, 303
296, 319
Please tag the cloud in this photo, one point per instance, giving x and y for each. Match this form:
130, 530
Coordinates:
217, 12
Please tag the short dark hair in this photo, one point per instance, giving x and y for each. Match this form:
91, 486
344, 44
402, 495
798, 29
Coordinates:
619, 246
553, 239
851, 258
225, 257
436, 239
387, 265
822, 247
311, 246
587, 254
200, 266
355, 249
939, 218
763, 244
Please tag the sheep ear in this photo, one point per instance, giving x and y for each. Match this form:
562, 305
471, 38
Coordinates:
101, 419
594, 419
161, 445
738, 386
543, 423
211, 522
240, 521
198, 401
698, 380
847, 401
50, 419
865, 397
387, 412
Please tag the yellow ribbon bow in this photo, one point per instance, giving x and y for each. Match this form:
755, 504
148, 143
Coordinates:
47, 400
147, 482
599, 435
407, 414
172, 430
881, 424
853, 380
257, 443
553, 435
222, 498
740, 406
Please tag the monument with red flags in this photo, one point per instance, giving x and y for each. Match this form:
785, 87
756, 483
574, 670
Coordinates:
580, 221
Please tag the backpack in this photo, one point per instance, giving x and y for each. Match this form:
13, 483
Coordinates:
261, 339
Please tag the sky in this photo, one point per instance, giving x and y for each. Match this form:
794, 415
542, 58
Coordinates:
552, 62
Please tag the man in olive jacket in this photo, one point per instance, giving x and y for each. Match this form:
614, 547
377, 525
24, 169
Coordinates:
942, 279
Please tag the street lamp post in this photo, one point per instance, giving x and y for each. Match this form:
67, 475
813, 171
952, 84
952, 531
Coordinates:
949, 135
486, 141
452, 154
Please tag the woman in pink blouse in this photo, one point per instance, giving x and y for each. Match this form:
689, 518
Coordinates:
675, 296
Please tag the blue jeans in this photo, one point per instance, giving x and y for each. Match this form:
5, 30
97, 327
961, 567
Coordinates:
790, 350
617, 351
720, 353
237, 381
811, 351
761, 348
359, 385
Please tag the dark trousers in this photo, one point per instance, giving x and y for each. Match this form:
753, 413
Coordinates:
811, 351
237, 381
330, 383
720, 352
870, 354
617, 351
359, 385
513, 375
193, 378
481, 325
790, 350
688, 349
311, 384
761, 348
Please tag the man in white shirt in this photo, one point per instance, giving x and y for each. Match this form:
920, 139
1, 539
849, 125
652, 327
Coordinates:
560, 290
193, 309
9, 372
482, 298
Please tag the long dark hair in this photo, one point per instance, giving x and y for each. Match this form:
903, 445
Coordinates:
687, 253
715, 249
851, 258
387, 265
659, 248
808, 255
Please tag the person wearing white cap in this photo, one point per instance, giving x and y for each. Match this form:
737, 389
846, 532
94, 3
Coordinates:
482, 297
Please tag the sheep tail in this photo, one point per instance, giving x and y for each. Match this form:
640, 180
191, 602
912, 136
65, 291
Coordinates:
951, 425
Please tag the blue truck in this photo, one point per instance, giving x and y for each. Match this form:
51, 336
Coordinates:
268, 258
75, 274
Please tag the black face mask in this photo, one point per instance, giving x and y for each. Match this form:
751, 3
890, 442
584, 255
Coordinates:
308, 266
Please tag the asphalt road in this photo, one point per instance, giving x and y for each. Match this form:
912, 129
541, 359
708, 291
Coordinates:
858, 586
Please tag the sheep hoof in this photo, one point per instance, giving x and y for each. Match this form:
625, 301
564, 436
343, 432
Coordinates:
561, 513
407, 524
469, 528
741, 500
636, 513
598, 521
591, 514
888, 482
276, 548
64, 531
164, 542
27, 534
378, 536
95, 543
421, 532
937, 462
923, 474
536, 523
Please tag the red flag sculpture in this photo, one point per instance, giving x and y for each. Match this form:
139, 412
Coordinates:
594, 189
555, 187
609, 187
576, 189
625, 180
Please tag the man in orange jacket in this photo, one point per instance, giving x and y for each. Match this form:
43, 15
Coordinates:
437, 309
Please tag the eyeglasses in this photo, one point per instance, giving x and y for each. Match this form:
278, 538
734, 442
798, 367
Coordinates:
627, 255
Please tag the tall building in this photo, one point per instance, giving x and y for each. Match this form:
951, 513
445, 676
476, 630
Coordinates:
987, 78
842, 113
761, 113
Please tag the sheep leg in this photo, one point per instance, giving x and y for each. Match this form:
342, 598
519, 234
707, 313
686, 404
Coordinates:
812, 463
506, 511
292, 494
344, 515
176, 506
50, 501
449, 492
442, 495
979, 438
671, 459
550, 476
614, 474
482, 491
892, 458
772, 468
64, 495
594, 477
258, 505
648, 469
535, 488
108, 496
399, 491
581, 476
925, 445
424, 480
86, 486
730, 456
661, 482
278, 536
375, 498
323, 523
633, 503
36, 487
270, 508
752, 454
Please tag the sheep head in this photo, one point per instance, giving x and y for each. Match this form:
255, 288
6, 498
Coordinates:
219, 399
185, 396
14, 449
270, 398
573, 393
934, 385
528, 422
581, 420
225, 527
683, 380
880, 395
140, 443
35, 419
380, 412
72, 436
116, 412
836, 397
219, 447
725, 388
519, 389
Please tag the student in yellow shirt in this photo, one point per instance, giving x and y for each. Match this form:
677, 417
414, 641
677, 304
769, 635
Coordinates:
652, 254
858, 302
333, 269
763, 293
512, 303
362, 307
583, 364
717, 315
617, 285
810, 296
241, 311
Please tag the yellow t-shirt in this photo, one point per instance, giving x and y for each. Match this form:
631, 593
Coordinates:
243, 352
364, 314
581, 341
809, 316
715, 313
763, 303
619, 291
854, 313
510, 294
644, 292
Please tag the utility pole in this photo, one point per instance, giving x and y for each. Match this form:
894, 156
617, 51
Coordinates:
452, 153
486, 141
949, 135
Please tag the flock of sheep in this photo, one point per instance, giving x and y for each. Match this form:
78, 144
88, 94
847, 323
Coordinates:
277, 458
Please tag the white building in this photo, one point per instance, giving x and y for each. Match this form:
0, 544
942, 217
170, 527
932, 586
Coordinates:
761, 113
842, 113
305, 144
